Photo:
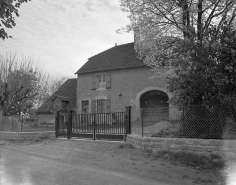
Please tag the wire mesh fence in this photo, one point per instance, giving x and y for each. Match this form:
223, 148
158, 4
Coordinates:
196, 121
17, 123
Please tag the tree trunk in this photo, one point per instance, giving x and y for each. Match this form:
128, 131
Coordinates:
199, 20
186, 19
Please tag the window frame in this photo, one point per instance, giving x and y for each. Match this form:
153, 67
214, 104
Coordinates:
101, 106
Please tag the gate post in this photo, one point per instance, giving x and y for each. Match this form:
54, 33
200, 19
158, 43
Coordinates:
128, 120
56, 123
69, 124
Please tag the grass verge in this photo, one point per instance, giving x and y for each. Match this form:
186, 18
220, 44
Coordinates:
211, 162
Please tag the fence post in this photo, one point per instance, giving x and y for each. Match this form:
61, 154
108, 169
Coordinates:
69, 125
22, 119
141, 113
94, 127
1, 119
11, 122
56, 123
128, 119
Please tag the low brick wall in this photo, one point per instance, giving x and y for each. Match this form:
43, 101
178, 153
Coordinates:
26, 135
224, 148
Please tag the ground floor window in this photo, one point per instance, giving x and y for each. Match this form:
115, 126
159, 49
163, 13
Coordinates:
101, 106
85, 107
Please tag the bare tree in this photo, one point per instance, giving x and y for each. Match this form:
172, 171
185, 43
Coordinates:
183, 18
21, 82
50, 87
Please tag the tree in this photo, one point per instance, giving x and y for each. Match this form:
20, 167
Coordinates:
207, 76
187, 38
21, 82
49, 88
8, 9
157, 18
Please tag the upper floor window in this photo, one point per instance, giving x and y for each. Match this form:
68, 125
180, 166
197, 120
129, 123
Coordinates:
101, 78
102, 81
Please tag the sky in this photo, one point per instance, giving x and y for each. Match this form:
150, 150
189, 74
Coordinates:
63, 34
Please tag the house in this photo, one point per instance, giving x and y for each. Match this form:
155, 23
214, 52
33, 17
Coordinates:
64, 99
116, 78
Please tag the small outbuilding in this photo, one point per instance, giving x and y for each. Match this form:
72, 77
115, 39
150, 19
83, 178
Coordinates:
63, 99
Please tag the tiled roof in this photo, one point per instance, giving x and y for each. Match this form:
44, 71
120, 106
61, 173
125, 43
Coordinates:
117, 57
67, 92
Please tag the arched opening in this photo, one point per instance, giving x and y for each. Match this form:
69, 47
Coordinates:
154, 106
154, 99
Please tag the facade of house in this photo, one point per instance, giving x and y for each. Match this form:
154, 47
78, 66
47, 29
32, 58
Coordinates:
117, 78
64, 99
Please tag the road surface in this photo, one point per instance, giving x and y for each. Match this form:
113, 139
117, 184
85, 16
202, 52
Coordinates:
21, 168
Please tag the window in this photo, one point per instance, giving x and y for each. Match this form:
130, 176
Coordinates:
102, 81
85, 106
102, 78
101, 106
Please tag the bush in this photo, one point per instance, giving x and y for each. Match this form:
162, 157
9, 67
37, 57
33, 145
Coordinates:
202, 122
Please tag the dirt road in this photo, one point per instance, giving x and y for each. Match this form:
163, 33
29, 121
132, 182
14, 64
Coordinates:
88, 162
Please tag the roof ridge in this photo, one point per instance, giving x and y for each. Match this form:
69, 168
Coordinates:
117, 57
109, 49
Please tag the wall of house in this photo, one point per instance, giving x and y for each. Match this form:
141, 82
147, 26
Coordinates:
127, 85
57, 104
45, 118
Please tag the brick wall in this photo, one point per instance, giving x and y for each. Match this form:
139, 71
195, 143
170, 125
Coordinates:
224, 148
26, 135
130, 83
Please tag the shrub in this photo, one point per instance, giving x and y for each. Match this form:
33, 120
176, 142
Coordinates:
202, 122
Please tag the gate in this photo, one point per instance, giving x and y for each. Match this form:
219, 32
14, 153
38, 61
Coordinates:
96, 126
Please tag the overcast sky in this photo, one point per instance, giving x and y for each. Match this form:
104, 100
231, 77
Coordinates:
63, 34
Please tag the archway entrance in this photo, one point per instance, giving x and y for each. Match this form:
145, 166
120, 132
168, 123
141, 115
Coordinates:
154, 106
154, 99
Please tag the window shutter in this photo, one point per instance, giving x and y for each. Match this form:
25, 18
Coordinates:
108, 105
108, 81
93, 106
94, 83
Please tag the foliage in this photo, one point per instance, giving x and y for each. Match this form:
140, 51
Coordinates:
181, 18
50, 87
21, 81
205, 74
194, 40
203, 122
8, 9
